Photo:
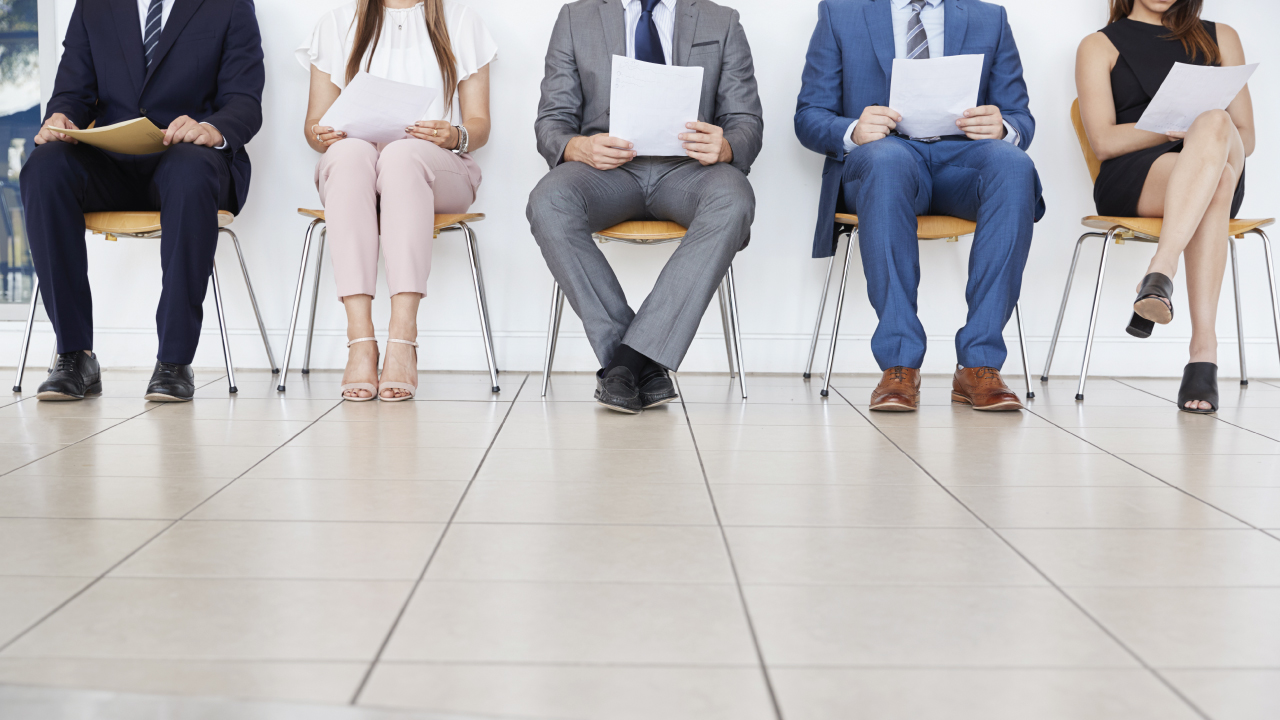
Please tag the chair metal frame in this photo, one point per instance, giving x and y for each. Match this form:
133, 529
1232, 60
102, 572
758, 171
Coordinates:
217, 296
477, 279
850, 235
1119, 235
728, 297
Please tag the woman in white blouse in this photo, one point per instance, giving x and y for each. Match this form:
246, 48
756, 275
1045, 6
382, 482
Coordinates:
394, 190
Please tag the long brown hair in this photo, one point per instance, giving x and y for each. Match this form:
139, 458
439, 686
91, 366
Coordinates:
1183, 21
369, 19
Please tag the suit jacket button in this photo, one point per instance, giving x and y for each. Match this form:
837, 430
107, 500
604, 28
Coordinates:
142, 111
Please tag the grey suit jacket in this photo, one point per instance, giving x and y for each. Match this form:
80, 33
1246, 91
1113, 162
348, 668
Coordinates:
588, 33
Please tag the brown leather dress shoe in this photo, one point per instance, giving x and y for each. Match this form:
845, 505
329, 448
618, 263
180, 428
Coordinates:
984, 389
898, 391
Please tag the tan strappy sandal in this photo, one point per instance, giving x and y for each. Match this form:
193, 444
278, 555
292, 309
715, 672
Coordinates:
411, 389
373, 390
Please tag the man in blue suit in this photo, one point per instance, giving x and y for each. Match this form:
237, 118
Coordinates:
192, 66
981, 173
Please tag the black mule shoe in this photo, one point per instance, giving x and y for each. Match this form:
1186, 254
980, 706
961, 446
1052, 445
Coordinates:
1199, 383
617, 390
1140, 327
1154, 301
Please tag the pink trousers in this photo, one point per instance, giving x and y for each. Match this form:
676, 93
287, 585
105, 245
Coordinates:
406, 182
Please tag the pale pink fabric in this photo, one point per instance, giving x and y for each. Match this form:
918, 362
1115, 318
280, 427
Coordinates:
410, 181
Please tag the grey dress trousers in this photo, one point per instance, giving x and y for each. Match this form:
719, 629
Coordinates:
574, 200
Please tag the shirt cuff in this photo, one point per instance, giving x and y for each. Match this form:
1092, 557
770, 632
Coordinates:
1012, 136
223, 146
849, 144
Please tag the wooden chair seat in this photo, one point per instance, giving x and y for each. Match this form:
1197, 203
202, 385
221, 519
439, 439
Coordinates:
932, 227
1151, 227
642, 231
442, 221
135, 223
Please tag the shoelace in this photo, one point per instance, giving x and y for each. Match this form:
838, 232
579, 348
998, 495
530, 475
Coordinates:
899, 374
986, 373
66, 362
167, 369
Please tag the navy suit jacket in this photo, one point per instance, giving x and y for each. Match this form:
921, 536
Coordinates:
850, 67
207, 65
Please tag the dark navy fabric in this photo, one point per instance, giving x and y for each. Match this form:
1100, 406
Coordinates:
850, 67
208, 65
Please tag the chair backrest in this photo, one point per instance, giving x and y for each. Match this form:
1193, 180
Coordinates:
1095, 165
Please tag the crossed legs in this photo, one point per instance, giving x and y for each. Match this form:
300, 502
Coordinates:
1193, 191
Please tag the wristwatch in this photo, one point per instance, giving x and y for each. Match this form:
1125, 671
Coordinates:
464, 139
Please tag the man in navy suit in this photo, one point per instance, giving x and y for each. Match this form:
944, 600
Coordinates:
193, 67
980, 173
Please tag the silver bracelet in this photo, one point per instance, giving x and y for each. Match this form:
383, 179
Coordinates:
464, 139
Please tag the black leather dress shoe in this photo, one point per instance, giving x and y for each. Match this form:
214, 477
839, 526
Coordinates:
617, 391
75, 375
656, 388
171, 383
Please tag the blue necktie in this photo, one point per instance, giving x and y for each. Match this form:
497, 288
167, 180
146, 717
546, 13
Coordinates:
648, 44
151, 33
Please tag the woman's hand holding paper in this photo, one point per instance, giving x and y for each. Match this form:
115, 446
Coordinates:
438, 132
326, 136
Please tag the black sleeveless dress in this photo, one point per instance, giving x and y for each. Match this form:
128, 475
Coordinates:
1147, 55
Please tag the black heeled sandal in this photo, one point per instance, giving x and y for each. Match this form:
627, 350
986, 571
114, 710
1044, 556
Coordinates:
1154, 301
1140, 327
1199, 384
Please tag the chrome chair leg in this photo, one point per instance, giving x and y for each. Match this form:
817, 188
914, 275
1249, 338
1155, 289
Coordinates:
1062, 310
835, 327
484, 294
728, 334
1271, 282
822, 309
1235, 281
481, 306
736, 322
222, 330
26, 336
297, 304
1022, 341
315, 300
1093, 315
253, 299
553, 333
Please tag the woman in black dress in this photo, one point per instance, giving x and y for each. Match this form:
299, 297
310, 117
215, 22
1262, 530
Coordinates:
1194, 180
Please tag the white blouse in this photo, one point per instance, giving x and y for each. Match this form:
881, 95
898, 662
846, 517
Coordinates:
405, 53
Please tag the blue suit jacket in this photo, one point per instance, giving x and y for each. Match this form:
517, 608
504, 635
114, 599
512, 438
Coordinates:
208, 65
850, 67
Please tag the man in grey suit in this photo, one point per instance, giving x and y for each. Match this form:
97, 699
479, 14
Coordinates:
597, 181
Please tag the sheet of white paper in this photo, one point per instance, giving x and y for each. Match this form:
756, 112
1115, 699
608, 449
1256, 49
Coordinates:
1189, 91
651, 104
377, 110
931, 95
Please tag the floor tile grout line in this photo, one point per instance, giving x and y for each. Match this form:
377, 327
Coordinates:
157, 406
1177, 692
413, 591
1214, 416
148, 541
1184, 491
733, 565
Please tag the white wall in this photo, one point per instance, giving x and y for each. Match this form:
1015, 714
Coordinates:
778, 282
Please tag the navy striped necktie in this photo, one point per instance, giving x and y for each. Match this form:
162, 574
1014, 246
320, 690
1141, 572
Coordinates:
151, 31
648, 44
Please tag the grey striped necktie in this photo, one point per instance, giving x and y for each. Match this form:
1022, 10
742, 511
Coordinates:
917, 38
151, 31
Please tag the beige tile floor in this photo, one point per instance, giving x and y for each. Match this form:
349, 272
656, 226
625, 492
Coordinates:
469, 555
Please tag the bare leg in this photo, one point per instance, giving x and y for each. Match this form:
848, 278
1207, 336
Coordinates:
1178, 183
362, 358
401, 364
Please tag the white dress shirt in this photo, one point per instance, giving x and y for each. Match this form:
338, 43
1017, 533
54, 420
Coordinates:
664, 16
934, 18
144, 6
